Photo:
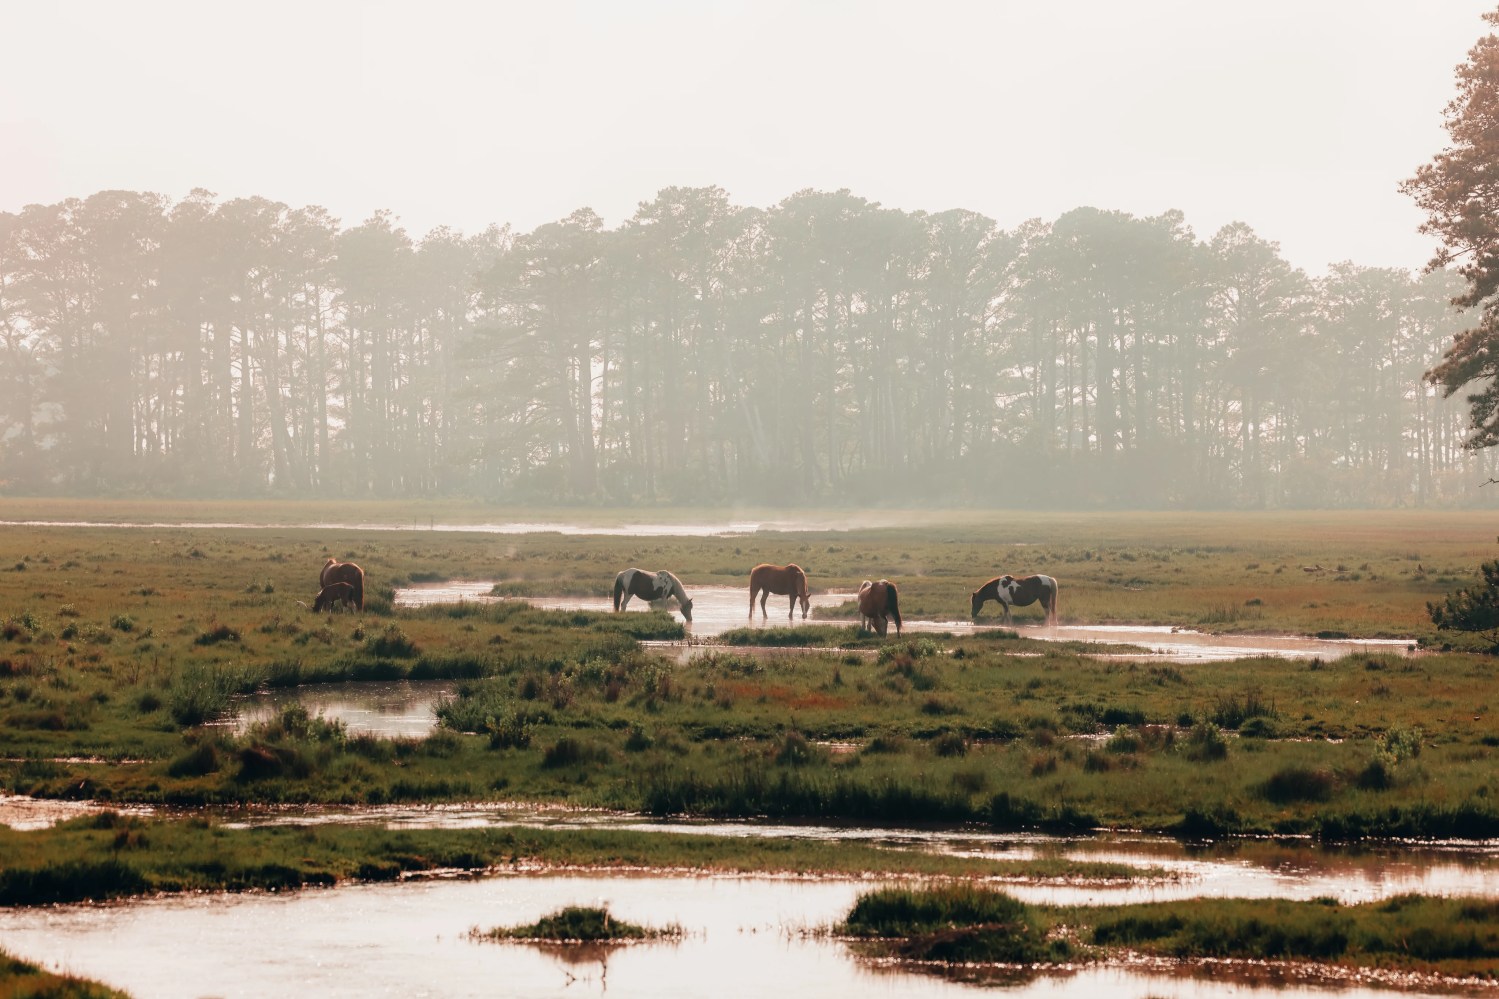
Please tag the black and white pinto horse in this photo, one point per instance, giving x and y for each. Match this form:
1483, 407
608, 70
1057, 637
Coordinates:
1018, 592
654, 587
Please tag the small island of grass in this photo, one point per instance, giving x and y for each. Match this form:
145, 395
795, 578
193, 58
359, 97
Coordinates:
579, 924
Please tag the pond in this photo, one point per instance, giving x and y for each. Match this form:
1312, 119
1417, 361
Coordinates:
384, 708
744, 937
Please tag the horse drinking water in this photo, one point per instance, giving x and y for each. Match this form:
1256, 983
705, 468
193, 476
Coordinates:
654, 587
782, 580
1018, 592
878, 601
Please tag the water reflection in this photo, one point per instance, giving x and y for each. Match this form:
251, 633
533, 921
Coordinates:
385, 708
745, 937
717, 609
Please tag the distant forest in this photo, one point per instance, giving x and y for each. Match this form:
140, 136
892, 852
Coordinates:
824, 350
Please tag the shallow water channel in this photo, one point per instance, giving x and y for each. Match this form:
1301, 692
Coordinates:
404, 708
716, 609
743, 937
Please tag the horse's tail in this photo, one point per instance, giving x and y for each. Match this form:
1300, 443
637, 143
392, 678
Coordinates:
892, 604
1053, 600
619, 589
359, 591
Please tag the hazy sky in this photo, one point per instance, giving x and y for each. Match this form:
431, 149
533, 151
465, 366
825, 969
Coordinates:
1299, 117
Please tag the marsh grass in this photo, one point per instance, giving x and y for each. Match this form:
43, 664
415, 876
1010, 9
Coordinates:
580, 924
23, 980
111, 856
1448, 936
952, 923
709, 735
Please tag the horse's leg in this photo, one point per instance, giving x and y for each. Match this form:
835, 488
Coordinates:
753, 594
791, 608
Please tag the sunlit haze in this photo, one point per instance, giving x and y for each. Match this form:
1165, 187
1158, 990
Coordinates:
1299, 118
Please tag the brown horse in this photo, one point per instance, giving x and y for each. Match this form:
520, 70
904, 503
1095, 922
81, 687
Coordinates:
782, 580
655, 587
335, 571
332, 594
878, 601
1021, 592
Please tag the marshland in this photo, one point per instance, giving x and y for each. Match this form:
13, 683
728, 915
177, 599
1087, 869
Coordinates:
566, 745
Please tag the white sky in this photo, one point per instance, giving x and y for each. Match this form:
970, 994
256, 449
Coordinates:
1299, 117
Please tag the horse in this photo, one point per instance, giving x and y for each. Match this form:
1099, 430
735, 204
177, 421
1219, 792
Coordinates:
782, 580
335, 571
655, 587
1021, 592
878, 601
333, 593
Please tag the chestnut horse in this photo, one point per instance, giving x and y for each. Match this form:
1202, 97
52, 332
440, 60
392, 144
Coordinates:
655, 587
1021, 592
332, 594
335, 571
877, 601
782, 580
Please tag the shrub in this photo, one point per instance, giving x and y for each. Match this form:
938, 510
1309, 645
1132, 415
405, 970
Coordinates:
1205, 742
568, 751
222, 633
199, 693
950, 744
1296, 783
795, 751
392, 643
1233, 710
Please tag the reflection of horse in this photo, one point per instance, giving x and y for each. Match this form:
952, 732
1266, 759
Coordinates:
1021, 592
783, 580
333, 593
655, 587
877, 601
335, 571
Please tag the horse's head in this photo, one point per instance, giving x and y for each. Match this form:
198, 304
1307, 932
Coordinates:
805, 601
686, 606
977, 601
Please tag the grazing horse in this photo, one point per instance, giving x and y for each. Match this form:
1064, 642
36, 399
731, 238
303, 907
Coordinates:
335, 571
332, 594
1021, 592
782, 580
877, 601
655, 587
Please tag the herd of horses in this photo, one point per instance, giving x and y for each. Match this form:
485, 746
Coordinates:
342, 583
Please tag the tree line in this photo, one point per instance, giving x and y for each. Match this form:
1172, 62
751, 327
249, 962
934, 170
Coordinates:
825, 349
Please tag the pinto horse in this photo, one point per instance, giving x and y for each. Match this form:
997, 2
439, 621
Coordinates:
878, 601
335, 571
655, 587
1021, 592
782, 580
